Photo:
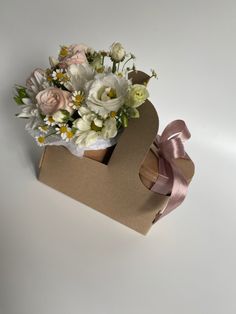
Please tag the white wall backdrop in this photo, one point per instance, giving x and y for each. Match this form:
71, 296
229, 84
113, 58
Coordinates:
58, 256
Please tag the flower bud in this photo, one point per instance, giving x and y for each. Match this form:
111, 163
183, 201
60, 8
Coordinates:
137, 95
117, 52
61, 116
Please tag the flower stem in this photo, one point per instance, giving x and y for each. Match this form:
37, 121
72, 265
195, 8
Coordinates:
114, 67
50, 134
126, 62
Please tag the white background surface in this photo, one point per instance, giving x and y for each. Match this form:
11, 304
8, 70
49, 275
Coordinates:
60, 257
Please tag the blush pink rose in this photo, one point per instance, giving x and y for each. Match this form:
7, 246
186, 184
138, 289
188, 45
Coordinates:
52, 99
76, 55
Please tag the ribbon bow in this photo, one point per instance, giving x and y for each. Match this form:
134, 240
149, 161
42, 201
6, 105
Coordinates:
168, 147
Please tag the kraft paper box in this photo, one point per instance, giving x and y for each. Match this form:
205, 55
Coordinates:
114, 189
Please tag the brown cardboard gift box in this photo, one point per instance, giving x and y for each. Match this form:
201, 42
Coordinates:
114, 189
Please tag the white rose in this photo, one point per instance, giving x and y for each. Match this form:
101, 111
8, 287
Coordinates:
117, 52
106, 93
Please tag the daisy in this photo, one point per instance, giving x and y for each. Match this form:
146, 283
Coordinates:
77, 98
40, 140
49, 121
59, 75
65, 132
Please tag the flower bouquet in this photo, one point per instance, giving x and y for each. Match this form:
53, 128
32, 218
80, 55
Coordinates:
84, 99
95, 104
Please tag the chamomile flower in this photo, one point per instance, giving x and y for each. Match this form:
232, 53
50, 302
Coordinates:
63, 52
49, 121
65, 132
59, 75
48, 73
40, 140
77, 98
43, 128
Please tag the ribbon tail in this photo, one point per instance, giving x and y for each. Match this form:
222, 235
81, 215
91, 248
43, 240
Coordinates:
163, 184
178, 194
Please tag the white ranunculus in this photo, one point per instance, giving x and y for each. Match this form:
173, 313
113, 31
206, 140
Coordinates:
106, 93
117, 52
79, 75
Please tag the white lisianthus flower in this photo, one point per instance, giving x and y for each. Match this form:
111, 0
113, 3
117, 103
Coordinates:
117, 52
92, 128
106, 93
137, 95
79, 75
61, 116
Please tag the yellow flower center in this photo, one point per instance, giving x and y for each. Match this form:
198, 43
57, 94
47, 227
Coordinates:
112, 114
44, 127
100, 69
49, 75
69, 134
94, 127
51, 120
60, 75
41, 139
63, 52
112, 93
63, 129
79, 99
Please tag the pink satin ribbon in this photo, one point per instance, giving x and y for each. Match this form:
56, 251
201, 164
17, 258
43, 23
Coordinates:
171, 179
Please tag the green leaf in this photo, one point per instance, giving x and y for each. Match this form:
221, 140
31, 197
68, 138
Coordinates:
18, 116
134, 113
22, 93
124, 121
73, 129
18, 100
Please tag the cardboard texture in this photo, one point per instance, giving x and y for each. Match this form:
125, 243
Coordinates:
115, 189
